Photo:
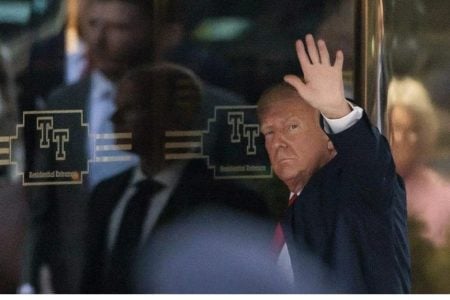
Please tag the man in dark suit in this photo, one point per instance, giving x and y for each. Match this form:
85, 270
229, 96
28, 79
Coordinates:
151, 101
58, 212
347, 204
59, 59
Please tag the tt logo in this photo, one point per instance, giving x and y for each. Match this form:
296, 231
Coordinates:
58, 134
232, 144
48, 134
240, 130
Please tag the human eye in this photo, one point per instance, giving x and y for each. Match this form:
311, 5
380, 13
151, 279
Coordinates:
122, 27
267, 132
93, 22
292, 126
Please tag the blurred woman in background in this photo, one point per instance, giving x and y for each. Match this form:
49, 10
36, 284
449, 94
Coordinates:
413, 134
413, 131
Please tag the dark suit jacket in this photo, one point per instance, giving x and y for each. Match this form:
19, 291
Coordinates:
352, 215
45, 70
196, 189
44, 73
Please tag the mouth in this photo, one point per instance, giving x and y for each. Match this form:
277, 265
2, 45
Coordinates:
284, 160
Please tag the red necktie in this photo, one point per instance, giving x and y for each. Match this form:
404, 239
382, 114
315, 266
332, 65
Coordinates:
278, 237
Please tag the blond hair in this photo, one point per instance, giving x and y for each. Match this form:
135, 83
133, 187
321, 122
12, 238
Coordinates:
412, 95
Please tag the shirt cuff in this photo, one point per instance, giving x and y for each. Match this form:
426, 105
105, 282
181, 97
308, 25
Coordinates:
334, 126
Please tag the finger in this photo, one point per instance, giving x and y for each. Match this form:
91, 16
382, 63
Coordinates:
296, 82
339, 62
45, 280
312, 49
323, 51
302, 55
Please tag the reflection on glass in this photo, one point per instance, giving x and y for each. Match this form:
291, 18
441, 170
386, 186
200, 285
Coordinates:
238, 48
413, 133
12, 201
15, 12
413, 130
416, 46
128, 209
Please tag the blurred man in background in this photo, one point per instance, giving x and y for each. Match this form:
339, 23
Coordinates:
120, 35
60, 59
126, 210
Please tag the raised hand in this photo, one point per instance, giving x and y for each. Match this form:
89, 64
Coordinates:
323, 87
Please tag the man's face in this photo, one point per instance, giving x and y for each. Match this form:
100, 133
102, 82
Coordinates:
118, 36
132, 116
294, 140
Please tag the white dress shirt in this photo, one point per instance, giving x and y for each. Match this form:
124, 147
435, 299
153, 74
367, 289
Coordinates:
102, 106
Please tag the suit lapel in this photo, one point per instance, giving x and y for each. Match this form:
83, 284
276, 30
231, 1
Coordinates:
102, 203
109, 193
192, 182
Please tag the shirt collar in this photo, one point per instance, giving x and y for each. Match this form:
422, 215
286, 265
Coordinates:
291, 198
166, 177
102, 87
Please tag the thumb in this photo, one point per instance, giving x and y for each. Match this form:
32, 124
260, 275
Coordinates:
297, 83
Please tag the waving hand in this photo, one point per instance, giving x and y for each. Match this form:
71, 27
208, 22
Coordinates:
323, 87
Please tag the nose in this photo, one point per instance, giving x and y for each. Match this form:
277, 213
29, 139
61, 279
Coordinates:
397, 136
96, 33
278, 140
